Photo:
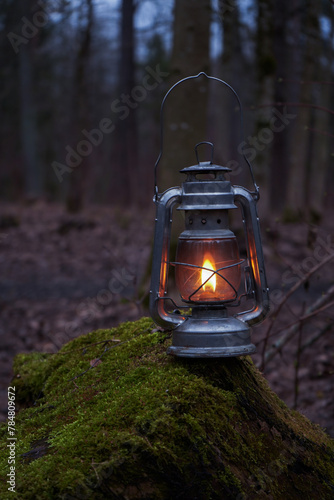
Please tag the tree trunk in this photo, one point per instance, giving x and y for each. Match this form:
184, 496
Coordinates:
226, 119
33, 181
286, 57
185, 121
320, 162
126, 175
302, 138
116, 417
266, 67
79, 176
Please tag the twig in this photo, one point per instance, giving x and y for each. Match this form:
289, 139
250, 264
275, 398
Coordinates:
297, 362
97, 476
304, 318
317, 336
316, 306
285, 298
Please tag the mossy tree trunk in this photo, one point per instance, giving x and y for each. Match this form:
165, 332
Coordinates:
113, 416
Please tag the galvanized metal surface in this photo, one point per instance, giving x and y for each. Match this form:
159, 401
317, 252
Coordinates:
208, 334
164, 207
255, 257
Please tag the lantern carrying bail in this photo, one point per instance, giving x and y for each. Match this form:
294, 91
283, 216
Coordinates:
256, 193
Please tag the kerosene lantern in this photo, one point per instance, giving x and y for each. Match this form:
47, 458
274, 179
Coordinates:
208, 268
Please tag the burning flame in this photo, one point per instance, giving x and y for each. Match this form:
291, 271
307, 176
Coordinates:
206, 274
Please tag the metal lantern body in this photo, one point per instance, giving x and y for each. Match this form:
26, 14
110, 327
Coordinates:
208, 268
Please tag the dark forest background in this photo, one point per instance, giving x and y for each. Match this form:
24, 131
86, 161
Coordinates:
70, 69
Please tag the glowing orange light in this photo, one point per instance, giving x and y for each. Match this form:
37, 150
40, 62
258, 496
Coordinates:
206, 285
208, 278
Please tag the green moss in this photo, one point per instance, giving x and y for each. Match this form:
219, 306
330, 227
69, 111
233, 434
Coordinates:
112, 416
31, 372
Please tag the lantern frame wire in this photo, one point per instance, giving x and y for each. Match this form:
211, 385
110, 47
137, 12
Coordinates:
208, 279
185, 306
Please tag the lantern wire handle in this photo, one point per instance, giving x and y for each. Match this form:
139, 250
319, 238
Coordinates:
255, 193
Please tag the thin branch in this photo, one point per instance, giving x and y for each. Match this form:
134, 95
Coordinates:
285, 298
306, 317
297, 362
320, 310
318, 305
317, 336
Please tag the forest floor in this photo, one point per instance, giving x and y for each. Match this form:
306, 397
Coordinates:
63, 275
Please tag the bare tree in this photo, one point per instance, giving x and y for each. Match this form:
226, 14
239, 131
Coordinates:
286, 57
126, 144
302, 145
266, 66
78, 177
233, 68
186, 109
33, 182
322, 140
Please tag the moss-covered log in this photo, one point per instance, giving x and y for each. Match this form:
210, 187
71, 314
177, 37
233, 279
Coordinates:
113, 416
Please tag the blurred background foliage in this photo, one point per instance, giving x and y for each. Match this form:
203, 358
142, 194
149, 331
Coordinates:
71, 67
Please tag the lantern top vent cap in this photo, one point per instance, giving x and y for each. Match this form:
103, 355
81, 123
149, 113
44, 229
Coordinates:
204, 167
